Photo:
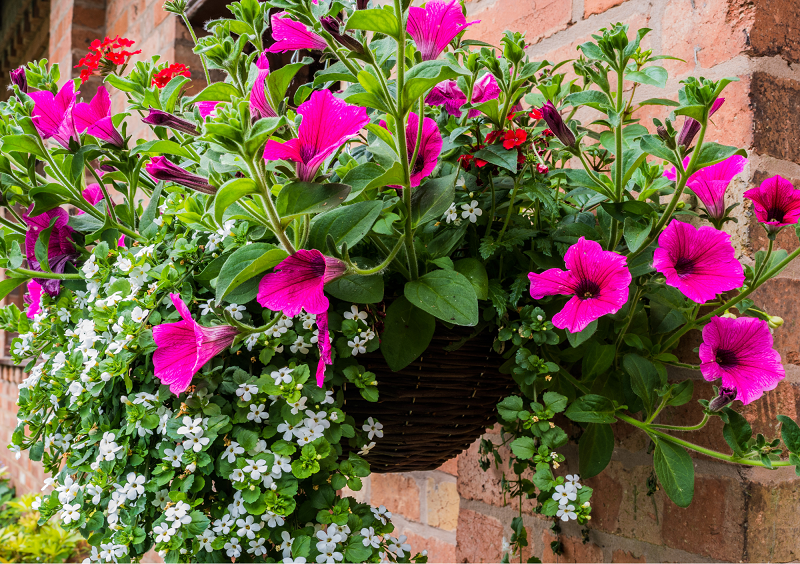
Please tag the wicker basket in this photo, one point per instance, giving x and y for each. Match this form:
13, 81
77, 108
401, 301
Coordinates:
435, 407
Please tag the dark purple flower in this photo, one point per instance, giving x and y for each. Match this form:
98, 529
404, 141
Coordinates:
161, 168
554, 120
60, 249
164, 119
691, 126
331, 25
18, 77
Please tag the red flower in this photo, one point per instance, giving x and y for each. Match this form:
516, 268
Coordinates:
541, 169
162, 77
514, 138
480, 163
492, 136
535, 114
107, 54
465, 161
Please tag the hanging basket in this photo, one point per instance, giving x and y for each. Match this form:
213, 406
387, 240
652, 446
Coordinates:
437, 406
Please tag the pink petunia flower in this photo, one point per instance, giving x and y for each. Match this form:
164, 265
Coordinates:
259, 105
701, 263
430, 147
95, 117
53, 115
709, 184
740, 352
298, 283
598, 280
33, 299
207, 109
60, 249
185, 346
435, 26
290, 35
484, 89
328, 122
776, 203
449, 95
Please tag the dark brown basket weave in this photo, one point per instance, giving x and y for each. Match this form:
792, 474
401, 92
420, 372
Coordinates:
435, 407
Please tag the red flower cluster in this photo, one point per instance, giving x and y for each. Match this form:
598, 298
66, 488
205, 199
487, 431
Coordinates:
108, 53
466, 160
535, 114
162, 77
514, 138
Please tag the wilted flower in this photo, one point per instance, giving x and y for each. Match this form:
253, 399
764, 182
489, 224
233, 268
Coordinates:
18, 77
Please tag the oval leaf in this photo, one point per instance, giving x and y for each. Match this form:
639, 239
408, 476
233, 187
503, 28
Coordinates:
675, 471
298, 198
445, 294
407, 333
229, 193
595, 448
246, 263
348, 224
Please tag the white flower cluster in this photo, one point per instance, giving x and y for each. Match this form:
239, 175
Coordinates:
565, 494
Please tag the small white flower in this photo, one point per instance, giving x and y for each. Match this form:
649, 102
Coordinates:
282, 376
163, 533
138, 315
236, 311
223, 526
206, 539
251, 341
257, 547
373, 428
452, 213
328, 398
233, 548
574, 480
191, 427
256, 469
257, 414
366, 448
246, 391
564, 494
471, 211
195, 443
357, 346
272, 519
207, 307
70, 513
174, 455
300, 345
124, 264
566, 512
398, 547
161, 499
231, 452
276, 331
370, 538
355, 314
237, 475
247, 527
299, 405
381, 514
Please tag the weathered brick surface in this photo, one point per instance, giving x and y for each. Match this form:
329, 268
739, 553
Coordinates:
776, 29
625, 556
776, 111
591, 7
443, 504
438, 550
399, 493
479, 537
537, 19
574, 549
773, 502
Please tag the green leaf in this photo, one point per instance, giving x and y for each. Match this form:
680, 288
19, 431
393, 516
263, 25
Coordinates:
653, 145
357, 289
681, 393
432, 199
217, 92
298, 198
737, 431
279, 79
379, 20
245, 263
595, 448
790, 433
497, 155
162, 147
407, 333
644, 378
475, 272
555, 402
25, 144
635, 233
713, 153
597, 359
675, 471
509, 408
15, 256
371, 175
146, 225
576, 339
347, 224
654, 76
592, 98
445, 294
592, 408
229, 193
426, 75
9, 284
523, 447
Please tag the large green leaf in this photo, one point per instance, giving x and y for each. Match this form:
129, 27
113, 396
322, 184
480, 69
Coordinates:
246, 263
217, 92
675, 471
379, 20
347, 224
790, 433
372, 175
445, 294
298, 198
475, 272
230, 192
357, 289
22, 144
644, 378
592, 408
595, 448
7, 285
407, 333
499, 156
431, 200
713, 153
162, 147
279, 80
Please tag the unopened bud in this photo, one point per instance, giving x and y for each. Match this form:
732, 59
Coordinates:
774, 321
725, 397
18, 77
331, 25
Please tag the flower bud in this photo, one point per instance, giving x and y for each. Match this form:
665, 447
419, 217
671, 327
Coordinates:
361, 4
725, 397
691, 126
554, 120
18, 77
774, 321
164, 119
331, 25
161, 168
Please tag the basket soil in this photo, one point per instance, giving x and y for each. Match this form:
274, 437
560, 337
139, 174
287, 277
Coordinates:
437, 406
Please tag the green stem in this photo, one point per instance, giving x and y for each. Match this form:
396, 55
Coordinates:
269, 206
491, 216
194, 38
765, 261
680, 428
16, 228
511, 205
389, 258
593, 176
397, 264
420, 122
48, 275
631, 313
618, 157
109, 202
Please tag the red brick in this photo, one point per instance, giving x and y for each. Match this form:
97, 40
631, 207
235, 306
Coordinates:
779, 297
574, 549
89, 16
539, 20
450, 467
716, 513
438, 550
773, 498
623, 556
591, 7
776, 29
479, 538
399, 493
159, 14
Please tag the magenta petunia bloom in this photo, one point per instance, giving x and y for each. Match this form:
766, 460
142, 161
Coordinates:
95, 117
598, 281
710, 183
328, 123
740, 352
290, 35
33, 299
701, 263
776, 203
430, 147
449, 95
162, 168
53, 115
298, 283
185, 346
207, 109
484, 89
60, 249
259, 105
435, 26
